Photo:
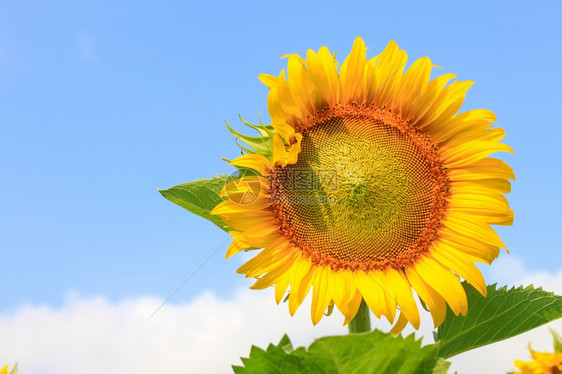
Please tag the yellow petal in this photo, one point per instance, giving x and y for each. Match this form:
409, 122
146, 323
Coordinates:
256, 162
320, 295
444, 282
352, 71
404, 296
332, 78
284, 130
305, 283
497, 184
400, 324
472, 151
279, 152
477, 230
468, 244
433, 300
280, 289
461, 266
446, 105
269, 80
350, 308
430, 99
413, 84
275, 275
299, 275
235, 247
230, 207
265, 261
484, 168
371, 288
389, 68
461, 124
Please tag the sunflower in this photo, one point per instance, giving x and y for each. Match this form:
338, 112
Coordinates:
372, 187
543, 362
4, 370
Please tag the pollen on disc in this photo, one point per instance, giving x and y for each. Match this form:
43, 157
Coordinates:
363, 194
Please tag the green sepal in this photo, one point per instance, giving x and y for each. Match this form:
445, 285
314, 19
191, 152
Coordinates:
557, 341
199, 197
263, 129
502, 314
262, 144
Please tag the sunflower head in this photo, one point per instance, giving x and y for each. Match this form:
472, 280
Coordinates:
371, 186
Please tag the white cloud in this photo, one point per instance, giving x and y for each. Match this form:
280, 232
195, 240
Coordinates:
511, 270
206, 335
93, 335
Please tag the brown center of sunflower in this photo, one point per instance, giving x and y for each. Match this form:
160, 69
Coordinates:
368, 190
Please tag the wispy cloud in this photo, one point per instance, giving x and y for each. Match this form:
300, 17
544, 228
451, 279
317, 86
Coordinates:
86, 46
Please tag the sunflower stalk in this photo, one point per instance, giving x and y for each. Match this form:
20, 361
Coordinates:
362, 320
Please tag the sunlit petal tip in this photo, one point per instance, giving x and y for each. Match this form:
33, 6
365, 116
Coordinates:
358, 42
269, 80
391, 45
399, 325
294, 56
293, 303
234, 248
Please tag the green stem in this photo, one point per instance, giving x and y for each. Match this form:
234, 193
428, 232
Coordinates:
362, 320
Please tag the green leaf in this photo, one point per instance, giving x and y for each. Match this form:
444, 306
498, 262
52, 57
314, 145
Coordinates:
557, 342
442, 366
278, 358
371, 352
199, 197
502, 314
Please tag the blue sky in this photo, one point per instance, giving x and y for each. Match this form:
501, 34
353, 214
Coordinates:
92, 126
